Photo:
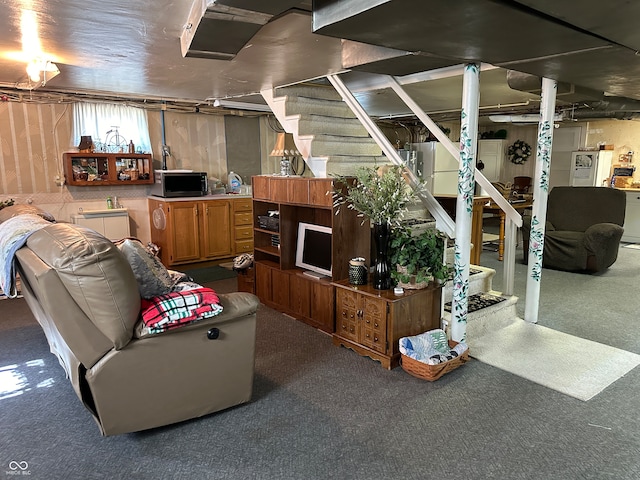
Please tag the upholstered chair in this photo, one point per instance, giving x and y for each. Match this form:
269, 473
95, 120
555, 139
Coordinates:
583, 228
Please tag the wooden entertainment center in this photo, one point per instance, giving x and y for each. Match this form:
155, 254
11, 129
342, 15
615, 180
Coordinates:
278, 282
359, 317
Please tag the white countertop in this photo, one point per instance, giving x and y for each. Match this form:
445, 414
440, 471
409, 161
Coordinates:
109, 211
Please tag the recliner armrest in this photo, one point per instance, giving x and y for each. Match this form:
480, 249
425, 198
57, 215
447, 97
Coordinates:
235, 305
601, 233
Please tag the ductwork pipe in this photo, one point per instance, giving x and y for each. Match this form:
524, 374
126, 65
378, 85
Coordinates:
589, 104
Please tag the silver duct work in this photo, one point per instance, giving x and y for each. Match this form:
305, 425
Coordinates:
585, 103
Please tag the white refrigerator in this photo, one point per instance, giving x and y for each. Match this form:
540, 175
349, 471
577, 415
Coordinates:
590, 168
439, 167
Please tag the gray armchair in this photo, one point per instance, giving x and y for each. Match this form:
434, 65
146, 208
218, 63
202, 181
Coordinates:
583, 229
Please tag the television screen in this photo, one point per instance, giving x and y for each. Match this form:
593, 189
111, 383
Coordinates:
313, 251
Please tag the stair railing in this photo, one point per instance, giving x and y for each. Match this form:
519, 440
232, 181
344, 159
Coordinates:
513, 218
444, 222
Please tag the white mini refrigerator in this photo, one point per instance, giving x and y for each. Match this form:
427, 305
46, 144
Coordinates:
590, 168
440, 168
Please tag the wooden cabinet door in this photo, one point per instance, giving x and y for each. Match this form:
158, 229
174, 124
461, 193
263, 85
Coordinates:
300, 296
263, 282
322, 305
280, 287
373, 326
347, 314
216, 228
185, 232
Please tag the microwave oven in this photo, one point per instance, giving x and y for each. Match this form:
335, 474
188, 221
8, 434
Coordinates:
179, 184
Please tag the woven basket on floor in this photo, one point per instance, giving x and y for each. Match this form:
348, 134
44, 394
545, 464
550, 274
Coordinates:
432, 372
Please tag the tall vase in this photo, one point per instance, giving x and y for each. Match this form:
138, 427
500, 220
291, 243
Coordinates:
381, 268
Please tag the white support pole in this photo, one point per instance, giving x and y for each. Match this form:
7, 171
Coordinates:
540, 194
464, 203
509, 263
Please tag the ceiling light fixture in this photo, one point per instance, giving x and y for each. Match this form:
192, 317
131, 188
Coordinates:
525, 118
254, 107
39, 72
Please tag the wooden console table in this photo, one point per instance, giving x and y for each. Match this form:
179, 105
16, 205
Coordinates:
496, 210
448, 202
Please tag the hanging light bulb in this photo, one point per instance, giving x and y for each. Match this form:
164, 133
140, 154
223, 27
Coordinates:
33, 70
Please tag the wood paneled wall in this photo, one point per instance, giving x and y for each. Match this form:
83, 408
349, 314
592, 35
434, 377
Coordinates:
32, 138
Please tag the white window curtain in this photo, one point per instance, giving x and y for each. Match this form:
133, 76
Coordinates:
111, 127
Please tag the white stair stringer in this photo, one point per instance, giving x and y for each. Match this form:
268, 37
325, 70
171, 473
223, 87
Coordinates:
330, 138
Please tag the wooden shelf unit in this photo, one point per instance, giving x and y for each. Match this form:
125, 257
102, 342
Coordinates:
94, 169
279, 283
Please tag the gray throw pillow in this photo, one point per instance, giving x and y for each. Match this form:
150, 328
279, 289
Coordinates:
152, 276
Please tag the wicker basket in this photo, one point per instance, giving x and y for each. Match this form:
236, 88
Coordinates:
432, 372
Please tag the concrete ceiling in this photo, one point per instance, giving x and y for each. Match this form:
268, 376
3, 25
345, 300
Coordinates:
134, 49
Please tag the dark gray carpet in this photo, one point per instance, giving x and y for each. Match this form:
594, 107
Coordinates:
323, 412
209, 274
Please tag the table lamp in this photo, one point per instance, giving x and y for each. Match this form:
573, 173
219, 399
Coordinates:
285, 148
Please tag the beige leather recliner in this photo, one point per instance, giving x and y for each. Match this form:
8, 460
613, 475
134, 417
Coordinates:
82, 291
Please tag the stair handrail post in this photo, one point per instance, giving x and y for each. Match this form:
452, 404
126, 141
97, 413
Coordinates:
443, 221
540, 195
509, 259
464, 202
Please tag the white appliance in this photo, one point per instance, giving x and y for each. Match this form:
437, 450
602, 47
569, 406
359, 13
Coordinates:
439, 167
590, 168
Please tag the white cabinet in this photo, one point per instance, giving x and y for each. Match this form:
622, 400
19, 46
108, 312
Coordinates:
632, 218
113, 223
491, 153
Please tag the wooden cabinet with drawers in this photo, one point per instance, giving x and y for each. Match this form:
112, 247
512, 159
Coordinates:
199, 230
371, 322
242, 225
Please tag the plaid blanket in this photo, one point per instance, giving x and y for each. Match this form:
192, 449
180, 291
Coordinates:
176, 309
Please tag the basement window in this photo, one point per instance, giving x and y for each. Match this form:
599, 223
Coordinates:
111, 127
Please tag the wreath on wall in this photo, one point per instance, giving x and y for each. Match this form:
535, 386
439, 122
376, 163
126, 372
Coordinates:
519, 152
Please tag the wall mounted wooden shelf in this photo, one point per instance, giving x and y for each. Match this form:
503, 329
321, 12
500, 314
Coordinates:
93, 169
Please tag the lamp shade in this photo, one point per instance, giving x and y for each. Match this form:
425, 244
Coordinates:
285, 146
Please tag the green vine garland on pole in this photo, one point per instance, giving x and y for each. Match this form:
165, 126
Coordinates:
519, 152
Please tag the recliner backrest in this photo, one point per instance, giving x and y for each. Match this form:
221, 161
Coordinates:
577, 208
96, 275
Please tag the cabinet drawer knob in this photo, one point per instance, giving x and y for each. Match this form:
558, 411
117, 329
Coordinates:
375, 339
375, 325
344, 314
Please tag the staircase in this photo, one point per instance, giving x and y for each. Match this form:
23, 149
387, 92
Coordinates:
481, 295
327, 133
334, 142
